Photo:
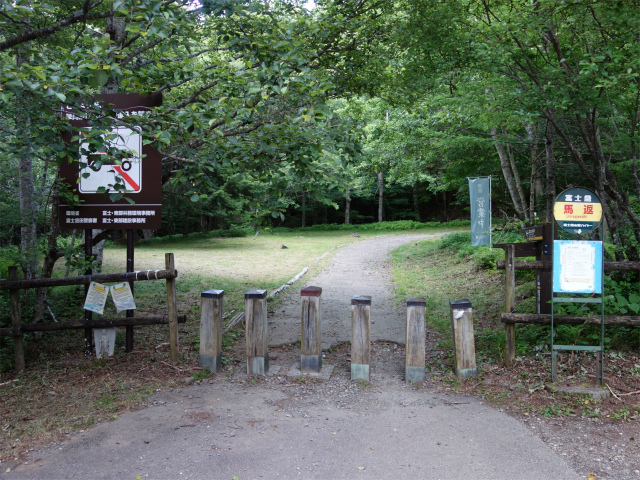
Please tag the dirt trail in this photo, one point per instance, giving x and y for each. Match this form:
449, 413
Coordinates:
357, 269
282, 427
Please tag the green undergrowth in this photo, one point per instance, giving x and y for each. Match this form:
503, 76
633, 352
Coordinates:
396, 226
450, 268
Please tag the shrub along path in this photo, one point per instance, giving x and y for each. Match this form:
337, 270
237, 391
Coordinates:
278, 427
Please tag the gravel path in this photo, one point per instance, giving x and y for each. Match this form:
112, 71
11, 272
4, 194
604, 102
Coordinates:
360, 268
278, 427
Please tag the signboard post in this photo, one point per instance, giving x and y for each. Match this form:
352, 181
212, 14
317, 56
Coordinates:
138, 169
578, 265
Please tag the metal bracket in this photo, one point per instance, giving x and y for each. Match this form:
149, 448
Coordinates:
547, 249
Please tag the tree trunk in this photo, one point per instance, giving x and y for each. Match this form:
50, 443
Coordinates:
416, 204
535, 190
146, 233
508, 175
304, 210
347, 207
185, 225
381, 196
551, 172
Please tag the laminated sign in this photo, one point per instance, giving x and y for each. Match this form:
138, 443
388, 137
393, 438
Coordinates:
96, 298
122, 297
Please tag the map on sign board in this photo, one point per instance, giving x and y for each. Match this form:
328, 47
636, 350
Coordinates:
577, 266
129, 172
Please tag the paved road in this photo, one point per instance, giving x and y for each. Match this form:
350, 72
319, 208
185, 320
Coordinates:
275, 427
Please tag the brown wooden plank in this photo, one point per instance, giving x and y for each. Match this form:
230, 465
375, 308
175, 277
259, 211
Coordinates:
521, 249
172, 304
86, 279
16, 321
541, 264
99, 323
544, 319
510, 305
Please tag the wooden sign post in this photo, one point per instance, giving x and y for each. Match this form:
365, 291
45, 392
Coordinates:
464, 348
211, 330
310, 335
360, 343
255, 308
415, 340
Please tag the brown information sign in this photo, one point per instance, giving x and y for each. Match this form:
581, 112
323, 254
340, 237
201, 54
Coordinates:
140, 171
533, 234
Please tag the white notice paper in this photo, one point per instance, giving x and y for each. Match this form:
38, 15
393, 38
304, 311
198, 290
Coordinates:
96, 298
122, 297
578, 267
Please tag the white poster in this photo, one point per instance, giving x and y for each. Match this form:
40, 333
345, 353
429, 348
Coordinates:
123, 297
96, 298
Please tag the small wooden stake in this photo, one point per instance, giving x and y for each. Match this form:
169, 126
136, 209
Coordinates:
415, 340
211, 329
310, 335
16, 321
463, 341
172, 303
255, 311
360, 340
509, 305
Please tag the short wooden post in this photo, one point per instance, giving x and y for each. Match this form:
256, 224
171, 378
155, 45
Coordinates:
310, 335
255, 311
360, 340
509, 304
464, 349
172, 303
415, 340
16, 322
211, 329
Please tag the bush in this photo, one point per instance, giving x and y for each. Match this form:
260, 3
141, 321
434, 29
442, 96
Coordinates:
398, 225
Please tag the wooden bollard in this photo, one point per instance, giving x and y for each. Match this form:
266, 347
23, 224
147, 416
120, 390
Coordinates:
360, 344
255, 308
415, 340
310, 335
211, 330
464, 349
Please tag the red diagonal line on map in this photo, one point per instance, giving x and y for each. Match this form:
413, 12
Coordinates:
126, 177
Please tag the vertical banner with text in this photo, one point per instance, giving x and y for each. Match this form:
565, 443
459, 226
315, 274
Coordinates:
480, 195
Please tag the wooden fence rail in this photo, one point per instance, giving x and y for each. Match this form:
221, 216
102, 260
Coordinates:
510, 265
87, 279
543, 264
17, 329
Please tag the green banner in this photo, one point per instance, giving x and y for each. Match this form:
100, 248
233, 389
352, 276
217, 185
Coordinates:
480, 195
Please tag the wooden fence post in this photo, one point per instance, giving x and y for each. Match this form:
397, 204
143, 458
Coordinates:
16, 321
415, 340
509, 304
255, 311
211, 329
310, 335
360, 340
172, 303
463, 341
